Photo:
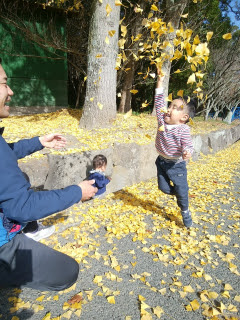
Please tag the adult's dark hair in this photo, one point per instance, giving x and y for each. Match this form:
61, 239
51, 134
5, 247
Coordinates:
190, 105
99, 161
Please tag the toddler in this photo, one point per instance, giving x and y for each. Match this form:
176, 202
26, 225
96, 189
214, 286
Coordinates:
98, 174
174, 146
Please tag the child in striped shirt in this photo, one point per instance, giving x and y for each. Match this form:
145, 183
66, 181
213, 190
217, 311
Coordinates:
174, 146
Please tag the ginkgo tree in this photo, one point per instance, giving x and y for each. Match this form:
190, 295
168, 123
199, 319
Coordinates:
100, 101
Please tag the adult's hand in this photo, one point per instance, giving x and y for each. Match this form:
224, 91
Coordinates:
53, 141
88, 190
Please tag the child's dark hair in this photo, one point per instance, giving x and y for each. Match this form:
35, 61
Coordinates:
99, 161
190, 104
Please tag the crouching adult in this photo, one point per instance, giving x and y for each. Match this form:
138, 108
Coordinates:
24, 261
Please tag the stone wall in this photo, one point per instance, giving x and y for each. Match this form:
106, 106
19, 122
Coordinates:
127, 163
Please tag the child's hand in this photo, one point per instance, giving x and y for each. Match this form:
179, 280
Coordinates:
186, 155
160, 78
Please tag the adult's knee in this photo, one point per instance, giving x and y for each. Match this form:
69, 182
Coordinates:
70, 275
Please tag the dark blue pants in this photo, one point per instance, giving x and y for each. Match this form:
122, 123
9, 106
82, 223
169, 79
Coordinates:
27, 263
168, 171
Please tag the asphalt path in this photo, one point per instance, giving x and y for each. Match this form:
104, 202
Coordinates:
155, 270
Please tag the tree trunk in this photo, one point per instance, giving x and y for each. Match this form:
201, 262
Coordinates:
126, 96
100, 102
228, 118
128, 76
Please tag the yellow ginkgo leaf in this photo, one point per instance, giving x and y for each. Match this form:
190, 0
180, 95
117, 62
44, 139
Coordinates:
111, 299
180, 93
184, 15
191, 79
121, 43
209, 35
107, 40
47, 316
202, 49
161, 128
108, 9
154, 7
123, 30
177, 71
227, 36
195, 304
111, 33
188, 307
169, 98
134, 91
118, 3
228, 287
100, 106
158, 311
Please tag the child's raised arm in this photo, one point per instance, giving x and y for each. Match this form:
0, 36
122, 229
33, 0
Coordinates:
160, 78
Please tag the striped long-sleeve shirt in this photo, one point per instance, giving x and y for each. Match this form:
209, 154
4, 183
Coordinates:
171, 140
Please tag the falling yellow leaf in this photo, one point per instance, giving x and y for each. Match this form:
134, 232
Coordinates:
180, 93
134, 91
169, 98
121, 43
111, 33
184, 15
209, 35
154, 7
108, 9
227, 36
118, 3
100, 106
162, 128
191, 79
107, 40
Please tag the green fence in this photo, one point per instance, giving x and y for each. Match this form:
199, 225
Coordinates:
37, 75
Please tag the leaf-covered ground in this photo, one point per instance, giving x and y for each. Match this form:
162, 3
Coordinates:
137, 261
140, 129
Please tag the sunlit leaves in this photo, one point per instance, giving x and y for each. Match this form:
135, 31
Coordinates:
108, 9
227, 36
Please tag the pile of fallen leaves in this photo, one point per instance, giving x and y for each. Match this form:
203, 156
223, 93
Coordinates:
150, 226
140, 129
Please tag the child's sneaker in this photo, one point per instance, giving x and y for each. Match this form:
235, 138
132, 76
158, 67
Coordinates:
187, 218
41, 232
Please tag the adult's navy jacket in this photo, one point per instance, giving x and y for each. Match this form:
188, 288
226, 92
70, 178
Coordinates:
18, 203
